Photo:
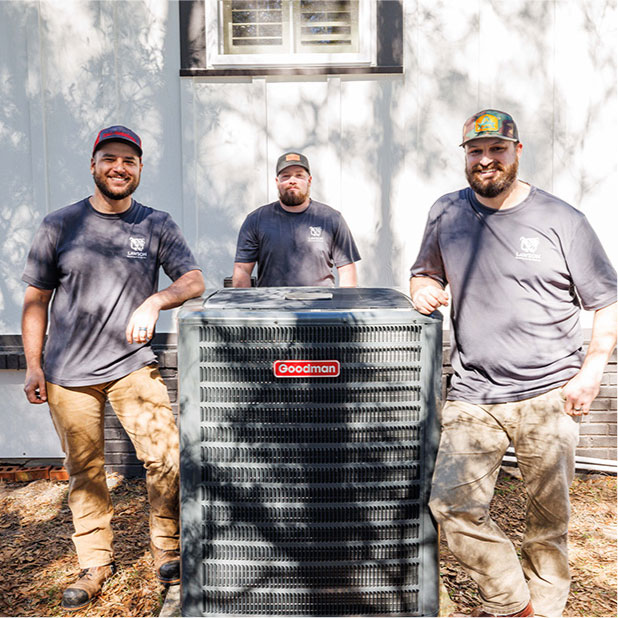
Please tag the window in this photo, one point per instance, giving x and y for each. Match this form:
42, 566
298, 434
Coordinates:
290, 26
275, 36
289, 32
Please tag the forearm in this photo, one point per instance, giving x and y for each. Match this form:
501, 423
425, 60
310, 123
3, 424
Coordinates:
33, 327
189, 285
347, 276
143, 320
602, 342
580, 390
241, 277
34, 324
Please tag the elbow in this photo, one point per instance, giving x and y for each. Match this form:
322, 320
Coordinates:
198, 286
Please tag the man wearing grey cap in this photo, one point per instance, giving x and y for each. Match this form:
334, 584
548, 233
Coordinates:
94, 267
519, 263
295, 241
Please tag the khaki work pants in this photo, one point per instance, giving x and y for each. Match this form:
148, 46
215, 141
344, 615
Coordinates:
473, 442
141, 403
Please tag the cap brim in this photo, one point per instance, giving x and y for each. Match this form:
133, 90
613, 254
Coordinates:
118, 139
291, 164
487, 136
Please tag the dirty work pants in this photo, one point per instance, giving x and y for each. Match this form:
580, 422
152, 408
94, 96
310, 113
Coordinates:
474, 439
142, 405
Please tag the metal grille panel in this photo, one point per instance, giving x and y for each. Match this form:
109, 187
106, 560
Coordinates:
308, 494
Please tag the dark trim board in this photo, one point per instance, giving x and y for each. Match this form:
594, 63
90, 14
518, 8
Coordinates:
194, 62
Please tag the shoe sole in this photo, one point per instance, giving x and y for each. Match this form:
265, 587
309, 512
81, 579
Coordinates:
168, 582
76, 609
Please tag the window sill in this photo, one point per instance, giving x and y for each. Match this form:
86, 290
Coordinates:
257, 71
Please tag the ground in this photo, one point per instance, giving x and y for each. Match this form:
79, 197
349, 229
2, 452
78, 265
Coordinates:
37, 560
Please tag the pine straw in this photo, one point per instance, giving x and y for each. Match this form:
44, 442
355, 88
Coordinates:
37, 559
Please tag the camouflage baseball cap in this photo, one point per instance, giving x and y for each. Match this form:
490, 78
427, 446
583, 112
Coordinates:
490, 123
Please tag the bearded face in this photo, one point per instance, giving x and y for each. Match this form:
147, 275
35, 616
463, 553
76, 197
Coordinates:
293, 196
116, 169
493, 179
294, 185
116, 188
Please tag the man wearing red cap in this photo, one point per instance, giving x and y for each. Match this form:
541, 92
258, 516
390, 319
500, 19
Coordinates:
99, 259
518, 262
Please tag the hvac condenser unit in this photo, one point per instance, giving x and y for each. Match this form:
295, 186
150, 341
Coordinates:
308, 435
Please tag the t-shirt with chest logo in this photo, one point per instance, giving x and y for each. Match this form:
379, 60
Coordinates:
518, 278
101, 268
296, 248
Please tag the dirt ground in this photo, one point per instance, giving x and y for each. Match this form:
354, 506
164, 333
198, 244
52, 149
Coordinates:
37, 559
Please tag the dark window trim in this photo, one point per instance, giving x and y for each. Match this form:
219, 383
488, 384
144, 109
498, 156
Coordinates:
389, 51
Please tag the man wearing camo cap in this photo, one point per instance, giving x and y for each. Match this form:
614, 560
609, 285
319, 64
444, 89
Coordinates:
518, 262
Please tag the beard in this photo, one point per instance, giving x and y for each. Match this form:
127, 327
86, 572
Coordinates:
494, 186
293, 198
119, 194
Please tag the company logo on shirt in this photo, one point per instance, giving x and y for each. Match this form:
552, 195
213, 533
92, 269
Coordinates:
529, 247
137, 248
315, 233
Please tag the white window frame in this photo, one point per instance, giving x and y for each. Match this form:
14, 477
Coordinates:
366, 56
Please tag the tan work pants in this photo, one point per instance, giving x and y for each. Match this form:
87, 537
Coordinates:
473, 442
141, 403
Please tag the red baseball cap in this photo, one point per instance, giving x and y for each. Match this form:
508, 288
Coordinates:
118, 133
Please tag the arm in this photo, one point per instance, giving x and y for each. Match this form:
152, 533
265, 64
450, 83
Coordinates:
427, 294
347, 276
33, 327
582, 388
241, 277
187, 286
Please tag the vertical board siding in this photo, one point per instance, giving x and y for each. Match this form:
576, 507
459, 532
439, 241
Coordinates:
383, 148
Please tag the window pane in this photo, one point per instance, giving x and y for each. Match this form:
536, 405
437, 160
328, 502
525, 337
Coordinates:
255, 26
327, 26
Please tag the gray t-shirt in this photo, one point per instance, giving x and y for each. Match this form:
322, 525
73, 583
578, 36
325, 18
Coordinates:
296, 249
101, 268
515, 276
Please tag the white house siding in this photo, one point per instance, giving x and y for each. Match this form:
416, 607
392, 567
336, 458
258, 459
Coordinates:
382, 147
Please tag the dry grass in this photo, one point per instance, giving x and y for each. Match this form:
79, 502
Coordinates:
37, 559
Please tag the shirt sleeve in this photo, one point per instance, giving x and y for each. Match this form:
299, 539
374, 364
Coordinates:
175, 256
41, 269
247, 246
592, 273
429, 260
344, 248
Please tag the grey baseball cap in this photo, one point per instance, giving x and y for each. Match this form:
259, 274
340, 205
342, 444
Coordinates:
292, 158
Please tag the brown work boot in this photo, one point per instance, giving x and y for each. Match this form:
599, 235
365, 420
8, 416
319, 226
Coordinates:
87, 587
479, 611
167, 564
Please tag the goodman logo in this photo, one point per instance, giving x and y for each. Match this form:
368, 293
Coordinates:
306, 368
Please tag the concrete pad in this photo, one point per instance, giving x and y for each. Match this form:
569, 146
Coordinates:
171, 605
